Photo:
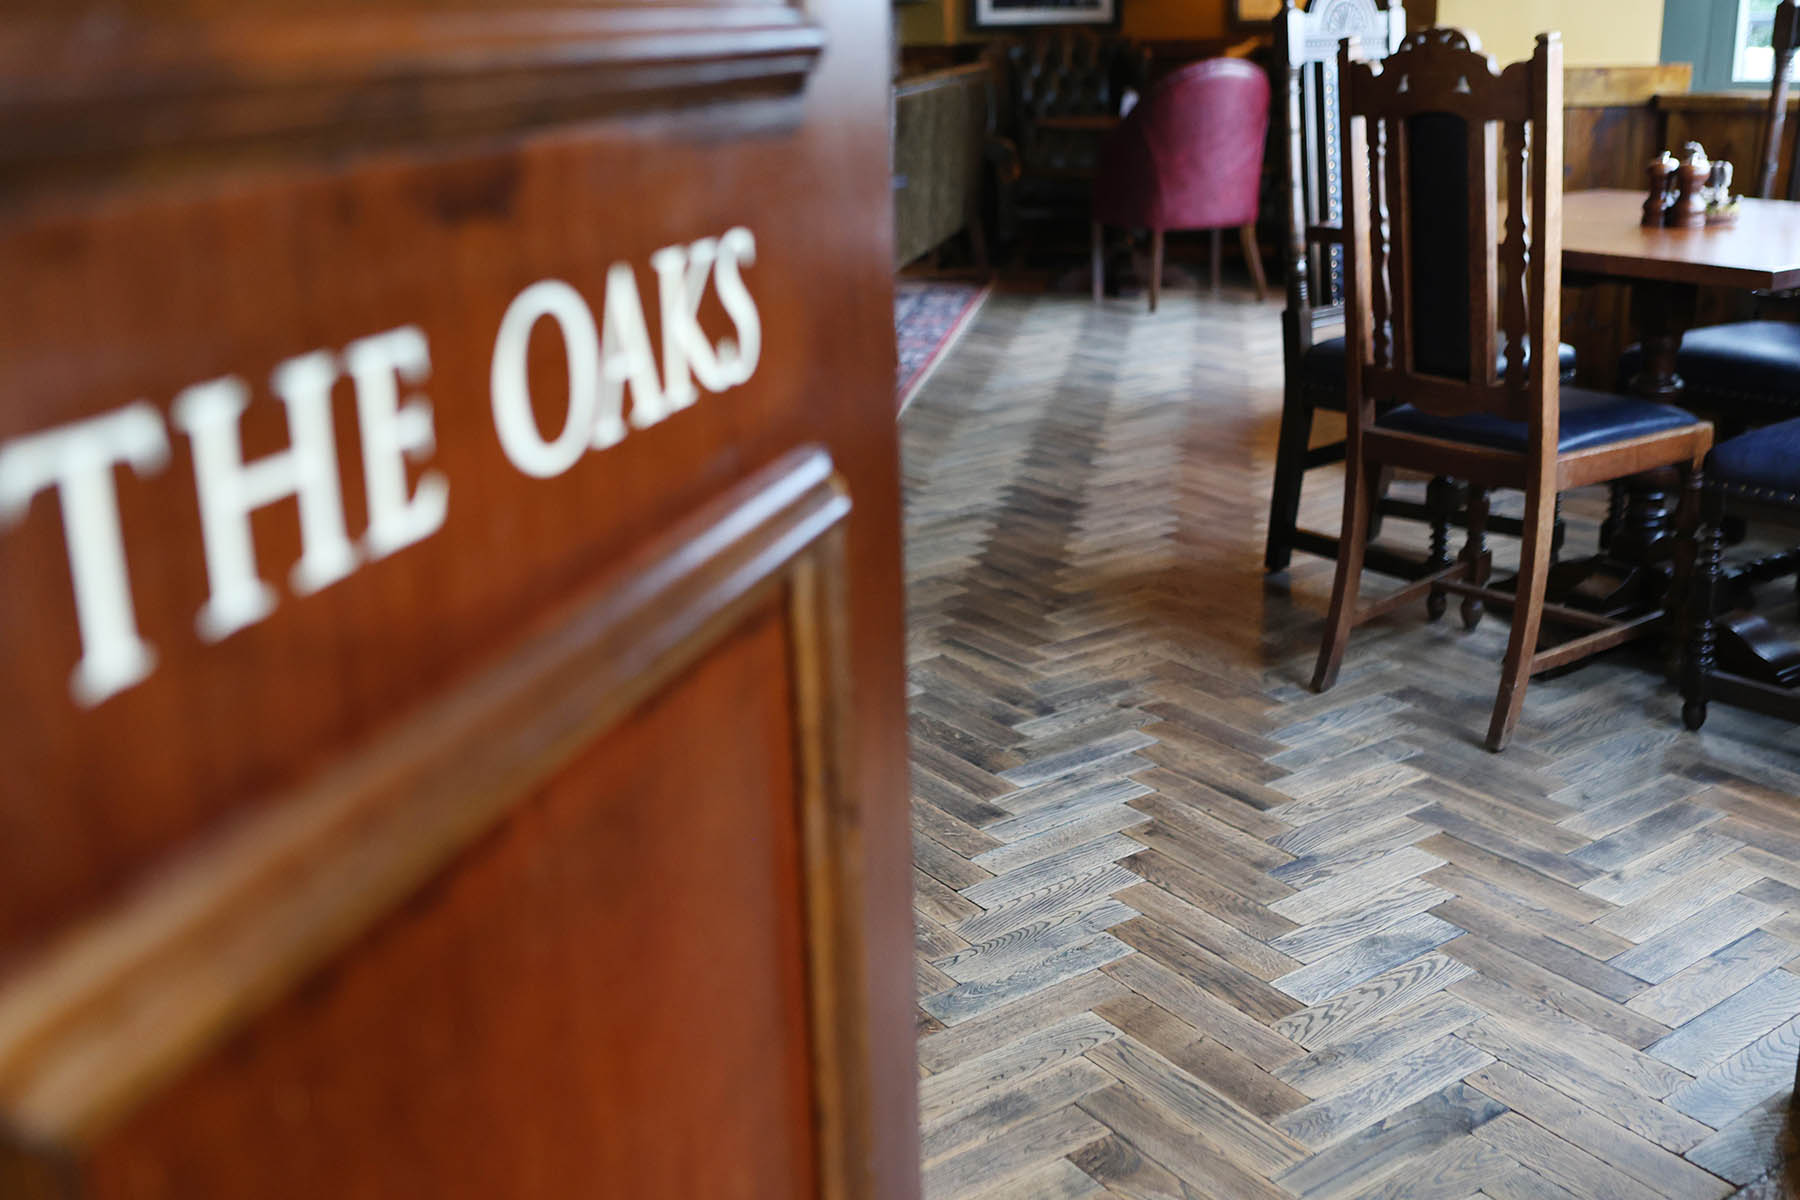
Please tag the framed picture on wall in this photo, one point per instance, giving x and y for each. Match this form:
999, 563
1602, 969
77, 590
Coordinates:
1253, 14
1012, 14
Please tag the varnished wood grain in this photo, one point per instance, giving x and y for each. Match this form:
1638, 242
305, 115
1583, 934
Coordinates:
547, 853
1601, 234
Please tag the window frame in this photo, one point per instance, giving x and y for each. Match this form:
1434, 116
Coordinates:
1705, 33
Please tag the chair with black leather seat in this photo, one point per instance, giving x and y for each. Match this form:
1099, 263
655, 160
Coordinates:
1428, 301
1754, 476
1313, 345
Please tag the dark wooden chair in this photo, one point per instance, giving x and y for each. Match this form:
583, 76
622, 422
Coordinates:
1053, 96
1755, 475
1436, 289
1306, 40
1306, 45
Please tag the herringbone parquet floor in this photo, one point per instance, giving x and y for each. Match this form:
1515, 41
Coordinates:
1187, 930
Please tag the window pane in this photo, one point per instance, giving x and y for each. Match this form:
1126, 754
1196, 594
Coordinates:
1754, 59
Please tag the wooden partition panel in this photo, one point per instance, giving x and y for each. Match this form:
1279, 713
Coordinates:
449, 592
1611, 131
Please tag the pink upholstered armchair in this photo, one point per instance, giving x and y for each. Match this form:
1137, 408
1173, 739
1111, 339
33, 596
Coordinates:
1189, 156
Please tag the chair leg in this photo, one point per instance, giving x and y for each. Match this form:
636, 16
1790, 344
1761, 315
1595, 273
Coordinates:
1376, 515
1440, 499
1290, 475
1475, 553
1099, 262
1360, 482
1697, 663
1253, 257
1218, 252
1528, 615
1156, 266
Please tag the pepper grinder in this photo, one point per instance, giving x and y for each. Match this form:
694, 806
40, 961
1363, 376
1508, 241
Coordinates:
1690, 188
1661, 173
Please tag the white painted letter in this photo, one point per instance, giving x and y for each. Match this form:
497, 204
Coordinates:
738, 249
625, 356
78, 460
392, 433
230, 490
511, 387
681, 284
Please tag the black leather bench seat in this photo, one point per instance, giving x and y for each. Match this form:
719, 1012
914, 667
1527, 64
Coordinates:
1764, 463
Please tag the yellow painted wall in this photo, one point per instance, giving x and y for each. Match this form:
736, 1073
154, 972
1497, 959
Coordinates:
942, 22
1173, 20
1596, 33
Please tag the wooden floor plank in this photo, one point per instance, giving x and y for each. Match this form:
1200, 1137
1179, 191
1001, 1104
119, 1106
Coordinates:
1650, 1165
1713, 979
1732, 1086
1410, 1077
1731, 1024
1170, 902
1345, 968
1346, 1014
1242, 1137
1388, 1146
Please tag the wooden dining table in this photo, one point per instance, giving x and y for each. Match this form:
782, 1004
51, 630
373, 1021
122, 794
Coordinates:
1604, 241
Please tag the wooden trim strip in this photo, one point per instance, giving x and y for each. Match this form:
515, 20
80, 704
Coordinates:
71, 91
1625, 87
97, 1021
831, 829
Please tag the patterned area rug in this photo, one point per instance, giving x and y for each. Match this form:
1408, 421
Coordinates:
928, 318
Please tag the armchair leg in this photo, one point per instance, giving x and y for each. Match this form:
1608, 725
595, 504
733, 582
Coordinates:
1099, 264
1528, 615
1218, 250
1360, 486
1156, 266
1253, 258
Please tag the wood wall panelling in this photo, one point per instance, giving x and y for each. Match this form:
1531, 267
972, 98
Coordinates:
491, 780
1611, 129
272, 80
297, 851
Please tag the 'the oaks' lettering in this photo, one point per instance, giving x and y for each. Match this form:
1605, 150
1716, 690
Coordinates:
387, 372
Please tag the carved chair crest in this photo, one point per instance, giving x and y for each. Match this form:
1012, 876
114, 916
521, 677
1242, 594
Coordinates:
1329, 22
1308, 39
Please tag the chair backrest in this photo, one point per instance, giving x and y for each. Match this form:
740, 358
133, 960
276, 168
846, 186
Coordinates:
1786, 36
1190, 155
1067, 72
1306, 44
1435, 283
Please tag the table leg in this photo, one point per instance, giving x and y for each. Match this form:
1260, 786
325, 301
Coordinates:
1631, 574
1661, 313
